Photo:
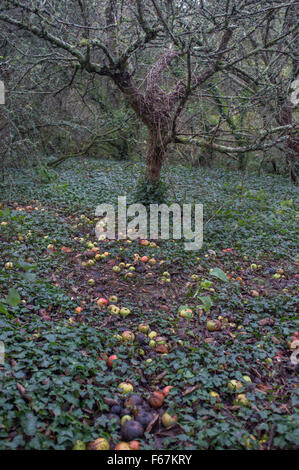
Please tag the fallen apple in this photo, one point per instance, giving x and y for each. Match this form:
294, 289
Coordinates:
110, 360
246, 378
213, 325
113, 299
152, 334
114, 309
91, 282
131, 430
80, 445
186, 313
122, 446
102, 302
98, 444
124, 419
166, 390
134, 445
143, 328
124, 387
242, 400
125, 312
234, 385
156, 400
168, 420
214, 395
133, 401
8, 265
128, 336
144, 418
294, 344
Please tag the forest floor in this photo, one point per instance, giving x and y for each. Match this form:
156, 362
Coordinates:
58, 386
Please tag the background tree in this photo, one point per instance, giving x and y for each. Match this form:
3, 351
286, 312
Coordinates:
163, 57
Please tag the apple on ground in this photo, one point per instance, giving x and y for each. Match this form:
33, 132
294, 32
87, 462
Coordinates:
110, 360
125, 312
234, 385
152, 334
98, 444
213, 325
102, 302
143, 328
128, 336
114, 309
168, 420
125, 387
242, 400
122, 446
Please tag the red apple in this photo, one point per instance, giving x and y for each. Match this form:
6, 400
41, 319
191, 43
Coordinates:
110, 359
102, 302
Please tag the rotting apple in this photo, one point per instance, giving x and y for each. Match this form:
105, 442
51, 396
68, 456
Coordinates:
214, 395
128, 336
134, 445
114, 309
98, 444
124, 419
213, 325
144, 418
168, 420
102, 302
242, 400
152, 334
80, 445
125, 387
156, 399
125, 312
122, 446
110, 360
166, 390
143, 328
131, 430
234, 385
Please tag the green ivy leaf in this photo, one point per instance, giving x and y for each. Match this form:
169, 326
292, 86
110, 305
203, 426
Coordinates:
2, 308
217, 272
13, 298
29, 424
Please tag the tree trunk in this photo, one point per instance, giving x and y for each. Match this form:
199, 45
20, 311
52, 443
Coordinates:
285, 117
156, 149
